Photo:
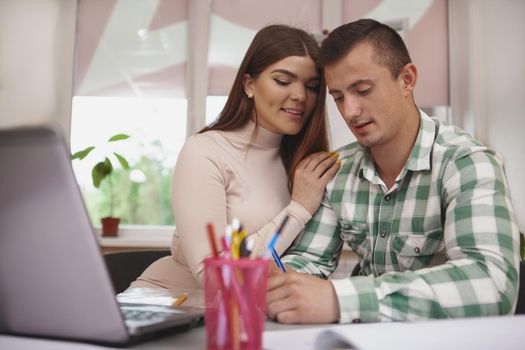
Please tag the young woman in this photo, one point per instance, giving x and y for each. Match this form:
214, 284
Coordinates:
264, 158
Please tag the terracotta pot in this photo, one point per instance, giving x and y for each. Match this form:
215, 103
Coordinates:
110, 226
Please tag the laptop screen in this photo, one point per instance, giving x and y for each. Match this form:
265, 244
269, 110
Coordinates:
53, 280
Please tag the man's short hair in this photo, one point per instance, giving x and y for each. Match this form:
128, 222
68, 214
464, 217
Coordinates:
390, 50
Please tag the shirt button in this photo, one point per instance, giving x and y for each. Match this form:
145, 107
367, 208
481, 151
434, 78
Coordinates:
417, 250
356, 320
383, 234
387, 197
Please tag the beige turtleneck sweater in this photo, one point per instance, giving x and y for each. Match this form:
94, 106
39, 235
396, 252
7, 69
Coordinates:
221, 175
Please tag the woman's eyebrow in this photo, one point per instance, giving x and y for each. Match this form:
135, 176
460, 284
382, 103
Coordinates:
293, 75
285, 71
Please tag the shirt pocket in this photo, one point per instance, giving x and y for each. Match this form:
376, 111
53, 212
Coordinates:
416, 251
356, 236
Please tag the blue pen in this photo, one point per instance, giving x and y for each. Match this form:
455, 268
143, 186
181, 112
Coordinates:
270, 249
278, 261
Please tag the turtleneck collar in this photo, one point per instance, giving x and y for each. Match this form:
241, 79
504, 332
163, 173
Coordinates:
262, 138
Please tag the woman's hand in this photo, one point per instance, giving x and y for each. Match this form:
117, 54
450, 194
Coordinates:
311, 176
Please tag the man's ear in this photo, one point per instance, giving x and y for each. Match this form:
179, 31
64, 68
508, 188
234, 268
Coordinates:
408, 78
247, 83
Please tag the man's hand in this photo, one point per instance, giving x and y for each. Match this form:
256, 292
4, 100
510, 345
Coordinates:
298, 298
273, 269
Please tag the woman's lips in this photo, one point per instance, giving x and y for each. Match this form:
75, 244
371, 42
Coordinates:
293, 113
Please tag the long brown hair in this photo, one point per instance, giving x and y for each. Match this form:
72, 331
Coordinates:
272, 44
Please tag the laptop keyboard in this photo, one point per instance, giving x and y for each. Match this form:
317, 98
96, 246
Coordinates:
147, 314
141, 315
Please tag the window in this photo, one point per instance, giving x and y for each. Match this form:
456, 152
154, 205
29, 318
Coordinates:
157, 129
130, 78
132, 58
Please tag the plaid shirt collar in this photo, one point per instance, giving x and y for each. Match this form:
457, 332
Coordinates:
420, 158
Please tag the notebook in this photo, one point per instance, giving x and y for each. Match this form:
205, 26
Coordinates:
53, 279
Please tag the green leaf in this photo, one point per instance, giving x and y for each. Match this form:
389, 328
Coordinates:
118, 137
123, 162
100, 171
109, 165
82, 154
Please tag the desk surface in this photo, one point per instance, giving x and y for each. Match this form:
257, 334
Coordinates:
191, 339
475, 333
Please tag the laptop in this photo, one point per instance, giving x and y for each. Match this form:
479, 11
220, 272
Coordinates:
53, 278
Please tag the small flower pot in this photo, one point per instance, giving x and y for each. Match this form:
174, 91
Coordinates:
110, 226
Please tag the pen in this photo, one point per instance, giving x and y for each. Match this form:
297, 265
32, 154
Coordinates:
285, 220
225, 247
277, 260
257, 247
275, 237
246, 246
235, 246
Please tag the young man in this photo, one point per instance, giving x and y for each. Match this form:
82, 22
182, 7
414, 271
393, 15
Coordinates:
424, 206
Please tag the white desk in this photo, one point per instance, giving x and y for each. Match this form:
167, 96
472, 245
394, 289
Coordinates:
506, 332
191, 339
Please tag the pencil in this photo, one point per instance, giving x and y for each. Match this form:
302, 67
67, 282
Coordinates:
182, 298
211, 238
235, 324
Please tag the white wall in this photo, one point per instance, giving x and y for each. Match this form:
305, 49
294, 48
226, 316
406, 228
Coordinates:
487, 54
36, 61
340, 134
505, 91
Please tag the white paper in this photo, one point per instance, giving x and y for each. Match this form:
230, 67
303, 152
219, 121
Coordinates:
162, 297
151, 297
498, 332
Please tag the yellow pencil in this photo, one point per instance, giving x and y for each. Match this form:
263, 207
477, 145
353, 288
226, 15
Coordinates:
182, 298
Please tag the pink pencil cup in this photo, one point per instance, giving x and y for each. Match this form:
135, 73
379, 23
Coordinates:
235, 297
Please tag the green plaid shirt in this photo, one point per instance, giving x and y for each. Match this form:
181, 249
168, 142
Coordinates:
441, 243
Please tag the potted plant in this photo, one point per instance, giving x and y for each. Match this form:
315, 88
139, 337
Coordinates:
103, 170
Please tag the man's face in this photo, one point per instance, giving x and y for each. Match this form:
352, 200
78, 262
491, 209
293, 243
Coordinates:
372, 103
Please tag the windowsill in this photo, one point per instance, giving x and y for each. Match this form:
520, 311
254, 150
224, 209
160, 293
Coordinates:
144, 237
138, 237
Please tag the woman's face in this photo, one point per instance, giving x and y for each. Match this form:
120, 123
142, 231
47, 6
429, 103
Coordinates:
285, 94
